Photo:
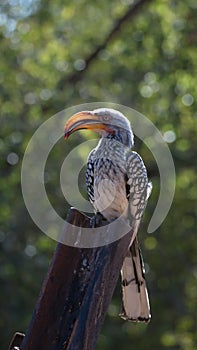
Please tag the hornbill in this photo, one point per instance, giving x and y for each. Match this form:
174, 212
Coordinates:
117, 185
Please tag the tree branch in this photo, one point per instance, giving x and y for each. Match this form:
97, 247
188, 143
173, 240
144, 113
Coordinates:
131, 12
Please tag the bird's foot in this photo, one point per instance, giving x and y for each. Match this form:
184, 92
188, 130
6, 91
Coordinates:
97, 220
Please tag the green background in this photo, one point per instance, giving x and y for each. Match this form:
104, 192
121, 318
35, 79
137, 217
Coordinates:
56, 54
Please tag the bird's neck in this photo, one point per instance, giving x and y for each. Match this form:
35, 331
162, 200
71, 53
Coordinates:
123, 136
109, 145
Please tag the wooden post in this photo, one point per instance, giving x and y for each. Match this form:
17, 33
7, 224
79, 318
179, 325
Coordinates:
75, 294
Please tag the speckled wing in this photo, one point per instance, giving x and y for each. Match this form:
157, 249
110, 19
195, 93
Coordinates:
138, 187
90, 176
134, 291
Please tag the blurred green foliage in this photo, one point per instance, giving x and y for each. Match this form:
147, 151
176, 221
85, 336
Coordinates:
149, 65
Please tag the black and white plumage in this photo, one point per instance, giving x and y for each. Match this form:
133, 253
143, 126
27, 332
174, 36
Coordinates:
117, 185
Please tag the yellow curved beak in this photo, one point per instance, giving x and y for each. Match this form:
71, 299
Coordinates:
84, 120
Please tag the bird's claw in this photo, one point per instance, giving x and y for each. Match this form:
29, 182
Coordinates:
97, 220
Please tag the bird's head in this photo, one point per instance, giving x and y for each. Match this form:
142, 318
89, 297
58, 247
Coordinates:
107, 122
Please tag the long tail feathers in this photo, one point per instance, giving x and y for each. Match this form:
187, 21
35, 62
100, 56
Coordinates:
134, 292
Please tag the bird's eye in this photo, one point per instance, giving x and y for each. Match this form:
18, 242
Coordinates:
105, 117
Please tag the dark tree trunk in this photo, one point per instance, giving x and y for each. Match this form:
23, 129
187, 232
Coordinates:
75, 294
